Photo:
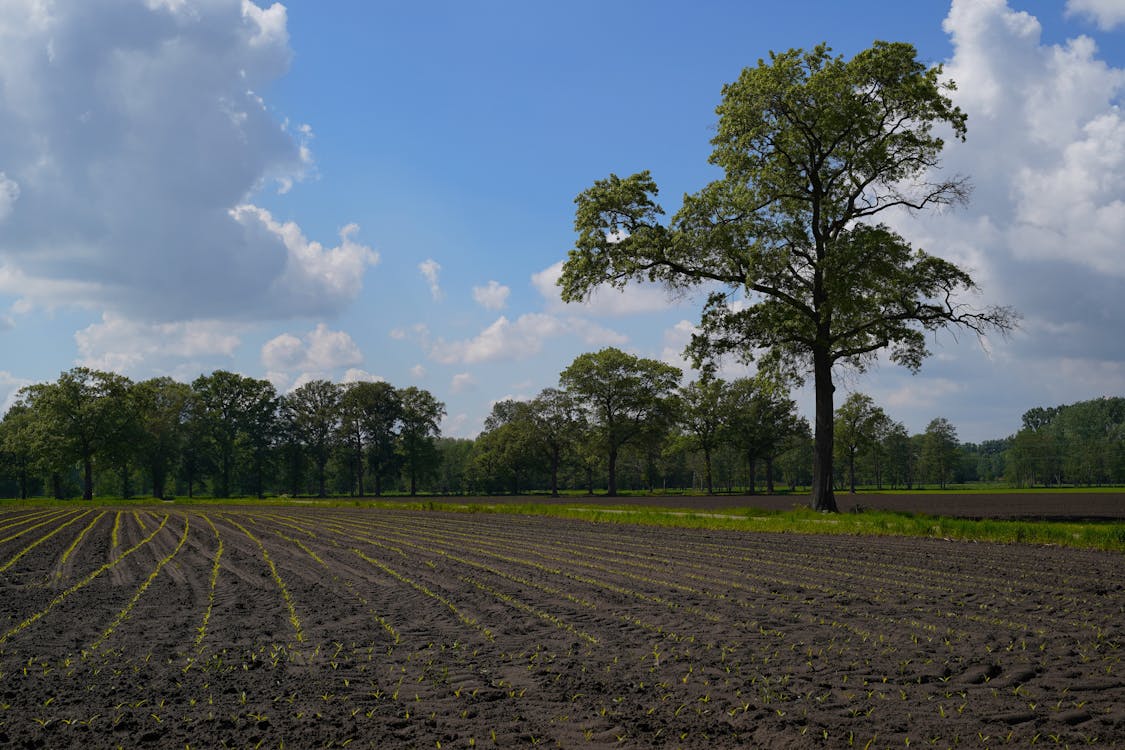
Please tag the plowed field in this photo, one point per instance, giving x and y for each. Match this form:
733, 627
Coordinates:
302, 628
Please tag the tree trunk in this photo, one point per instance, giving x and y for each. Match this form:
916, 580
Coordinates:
56, 485
823, 498
851, 469
769, 475
612, 485
359, 469
555, 472
87, 478
751, 461
707, 470
157, 482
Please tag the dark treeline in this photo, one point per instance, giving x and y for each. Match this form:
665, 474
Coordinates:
615, 422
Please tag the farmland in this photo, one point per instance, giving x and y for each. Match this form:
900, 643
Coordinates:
197, 626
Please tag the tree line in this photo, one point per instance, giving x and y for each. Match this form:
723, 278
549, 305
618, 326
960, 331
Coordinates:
614, 422
223, 435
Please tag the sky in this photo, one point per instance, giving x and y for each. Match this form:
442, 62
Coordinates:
372, 190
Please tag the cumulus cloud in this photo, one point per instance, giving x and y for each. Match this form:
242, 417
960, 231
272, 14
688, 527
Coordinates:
635, 298
493, 296
431, 270
455, 425
121, 345
418, 372
524, 337
9, 387
1046, 155
132, 136
315, 355
1107, 14
315, 279
356, 375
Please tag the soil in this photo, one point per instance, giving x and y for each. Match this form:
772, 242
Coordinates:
327, 627
1043, 505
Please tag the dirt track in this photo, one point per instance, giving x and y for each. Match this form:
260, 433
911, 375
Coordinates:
320, 627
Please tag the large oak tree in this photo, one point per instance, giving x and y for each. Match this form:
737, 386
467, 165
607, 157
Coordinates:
814, 149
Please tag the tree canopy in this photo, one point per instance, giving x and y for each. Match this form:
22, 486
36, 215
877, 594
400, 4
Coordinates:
814, 150
624, 396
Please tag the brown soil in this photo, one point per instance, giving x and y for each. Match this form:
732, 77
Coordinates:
380, 628
1053, 504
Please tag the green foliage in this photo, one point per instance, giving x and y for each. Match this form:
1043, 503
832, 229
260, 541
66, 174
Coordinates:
420, 419
626, 398
813, 148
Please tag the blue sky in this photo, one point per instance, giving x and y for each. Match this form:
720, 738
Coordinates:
358, 189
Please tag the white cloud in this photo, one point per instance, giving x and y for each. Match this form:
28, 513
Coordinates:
9, 387
1045, 155
1108, 14
506, 340
135, 137
634, 299
355, 375
315, 279
491, 297
418, 372
321, 350
431, 269
921, 396
119, 344
455, 425
462, 381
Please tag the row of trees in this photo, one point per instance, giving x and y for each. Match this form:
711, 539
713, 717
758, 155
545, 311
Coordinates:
1077, 444
614, 421
224, 434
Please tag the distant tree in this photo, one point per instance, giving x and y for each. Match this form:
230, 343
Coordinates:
508, 444
162, 405
79, 418
623, 396
758, 418
420, 418
940, 450
901, 456
232, 415
17, 446
358, 402
858, 421
371, 414
314, 412
558, 424
701, 415
454, 459
813, 149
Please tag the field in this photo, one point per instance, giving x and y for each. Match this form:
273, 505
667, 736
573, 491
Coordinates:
301, 627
